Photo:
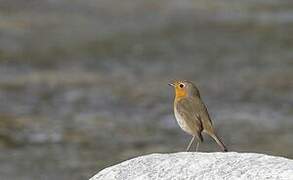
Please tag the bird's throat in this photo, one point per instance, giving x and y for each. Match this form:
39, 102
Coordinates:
180, 94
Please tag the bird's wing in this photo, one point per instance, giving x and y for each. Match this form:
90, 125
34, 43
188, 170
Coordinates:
203, 115
187, 110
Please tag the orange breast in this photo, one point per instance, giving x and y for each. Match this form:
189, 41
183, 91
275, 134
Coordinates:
180, 93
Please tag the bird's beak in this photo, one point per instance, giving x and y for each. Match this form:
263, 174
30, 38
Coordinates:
171, 84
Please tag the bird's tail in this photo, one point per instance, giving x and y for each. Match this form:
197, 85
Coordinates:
219, 142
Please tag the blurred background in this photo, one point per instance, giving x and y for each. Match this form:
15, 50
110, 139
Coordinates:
83, 83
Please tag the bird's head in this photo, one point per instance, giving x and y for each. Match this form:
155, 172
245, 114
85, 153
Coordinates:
184, 88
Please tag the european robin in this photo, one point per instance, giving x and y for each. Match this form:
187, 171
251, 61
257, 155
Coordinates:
192, 114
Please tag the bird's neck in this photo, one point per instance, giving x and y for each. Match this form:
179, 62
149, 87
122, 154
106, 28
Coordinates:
180, 94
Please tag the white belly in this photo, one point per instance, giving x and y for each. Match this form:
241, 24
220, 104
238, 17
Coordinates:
181, 122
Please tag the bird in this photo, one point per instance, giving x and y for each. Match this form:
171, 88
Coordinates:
191, 113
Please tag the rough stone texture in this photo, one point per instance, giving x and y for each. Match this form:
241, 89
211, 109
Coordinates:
188, 165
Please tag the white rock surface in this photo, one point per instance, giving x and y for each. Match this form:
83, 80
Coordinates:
191, 165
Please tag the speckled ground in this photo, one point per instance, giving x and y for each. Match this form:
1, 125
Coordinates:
207, 166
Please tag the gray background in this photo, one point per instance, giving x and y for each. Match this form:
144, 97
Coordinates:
83, 83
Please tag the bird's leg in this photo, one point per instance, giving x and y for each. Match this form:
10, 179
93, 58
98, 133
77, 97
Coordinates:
190, 143
197, 145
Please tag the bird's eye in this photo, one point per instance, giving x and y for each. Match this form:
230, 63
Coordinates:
181, 85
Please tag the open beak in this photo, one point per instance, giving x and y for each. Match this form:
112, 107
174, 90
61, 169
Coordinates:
171, 84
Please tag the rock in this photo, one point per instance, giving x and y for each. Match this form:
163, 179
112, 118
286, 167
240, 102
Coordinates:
192, 165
